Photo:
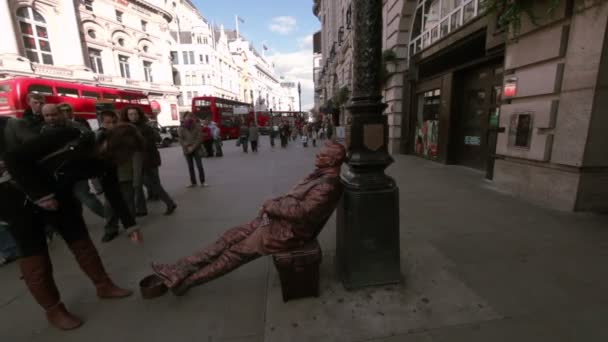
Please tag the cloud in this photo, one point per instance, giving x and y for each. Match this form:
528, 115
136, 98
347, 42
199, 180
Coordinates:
282, 25
305, 42
297, 66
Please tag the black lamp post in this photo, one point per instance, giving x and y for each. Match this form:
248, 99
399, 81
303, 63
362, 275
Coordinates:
300, 97
367, 250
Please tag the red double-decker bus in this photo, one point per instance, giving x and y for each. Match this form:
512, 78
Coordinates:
227, 114
87, 100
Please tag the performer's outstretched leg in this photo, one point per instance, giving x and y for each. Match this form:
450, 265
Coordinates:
229, 260
173, 274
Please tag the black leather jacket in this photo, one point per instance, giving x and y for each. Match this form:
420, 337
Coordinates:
55, 160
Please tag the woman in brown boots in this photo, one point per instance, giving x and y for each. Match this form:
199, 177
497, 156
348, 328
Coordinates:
36, 179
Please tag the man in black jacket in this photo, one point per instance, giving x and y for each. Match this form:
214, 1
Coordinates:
19, 131
38, 177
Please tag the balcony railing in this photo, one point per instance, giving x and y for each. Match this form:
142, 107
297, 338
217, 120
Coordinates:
465, 11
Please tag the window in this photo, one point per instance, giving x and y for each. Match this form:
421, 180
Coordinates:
88, 5
148, 71
144, 25
203, 79
199, 40
185, 57
195, 93
121, 41
174, 58
189, 96
188, 79
207, 59
110, 96
90, 94
34, 35
119, 16
92, 34
200, 58
427, 123
68, 92
95, 59
123, 61
191, 57
205, 41
40, 89
146, 48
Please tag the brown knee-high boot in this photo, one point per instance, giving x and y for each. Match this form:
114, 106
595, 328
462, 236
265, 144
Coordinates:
37, 272
90, 262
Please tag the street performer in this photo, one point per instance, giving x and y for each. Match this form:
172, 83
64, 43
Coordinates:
283, 223
36, 182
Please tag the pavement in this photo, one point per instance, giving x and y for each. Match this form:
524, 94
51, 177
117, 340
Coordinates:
477, 265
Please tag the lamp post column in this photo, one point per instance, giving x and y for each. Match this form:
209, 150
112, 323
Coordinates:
367, 250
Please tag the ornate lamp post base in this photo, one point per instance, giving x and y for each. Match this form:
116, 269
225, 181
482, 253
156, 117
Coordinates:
367, 238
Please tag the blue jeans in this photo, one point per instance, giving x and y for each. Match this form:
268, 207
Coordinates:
8, 247
84, 195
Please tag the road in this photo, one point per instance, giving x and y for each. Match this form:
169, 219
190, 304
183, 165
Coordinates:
478, 265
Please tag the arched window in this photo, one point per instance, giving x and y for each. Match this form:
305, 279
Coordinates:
35, 35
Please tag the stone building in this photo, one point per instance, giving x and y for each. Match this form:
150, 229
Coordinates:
522, 104
122, 44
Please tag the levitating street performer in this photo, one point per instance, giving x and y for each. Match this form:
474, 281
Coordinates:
283, 223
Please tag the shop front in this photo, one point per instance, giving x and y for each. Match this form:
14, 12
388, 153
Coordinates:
455, 102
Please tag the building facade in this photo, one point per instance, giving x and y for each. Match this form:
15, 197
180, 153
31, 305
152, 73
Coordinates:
122, 44
521, 103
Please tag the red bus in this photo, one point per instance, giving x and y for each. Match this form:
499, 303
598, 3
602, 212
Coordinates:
227, 114
295, 119
87, 100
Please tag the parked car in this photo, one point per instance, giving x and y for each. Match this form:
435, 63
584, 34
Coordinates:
164, 138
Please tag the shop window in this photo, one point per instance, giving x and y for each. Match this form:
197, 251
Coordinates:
431, 14
427, 123
448, 6
469, 11
119, 16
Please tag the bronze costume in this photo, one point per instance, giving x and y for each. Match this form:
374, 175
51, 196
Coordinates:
283, 223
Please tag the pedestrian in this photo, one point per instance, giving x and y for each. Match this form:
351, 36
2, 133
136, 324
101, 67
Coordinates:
129, 174
217, 139
329, 131
244, 136
28, 127
284, 134
41, 175
254, 136
273, 134
8, 246
190, 137
207, 136
57, 116
313, 136
151, 162
283, 223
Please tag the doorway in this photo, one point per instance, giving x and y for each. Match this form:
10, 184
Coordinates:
476, 127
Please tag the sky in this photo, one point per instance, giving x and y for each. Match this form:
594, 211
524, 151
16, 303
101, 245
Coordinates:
284, 26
